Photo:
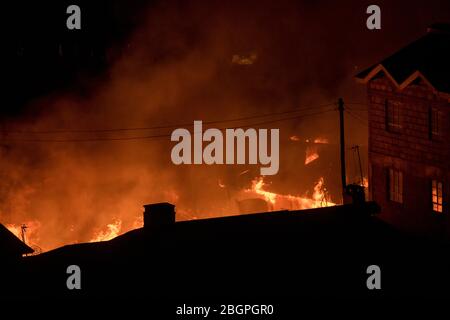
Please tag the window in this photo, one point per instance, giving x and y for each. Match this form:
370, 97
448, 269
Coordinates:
395, 186
434, 122
436, 196
392, 116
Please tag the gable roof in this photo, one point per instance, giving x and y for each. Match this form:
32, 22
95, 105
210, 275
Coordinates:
10, 244
427, 58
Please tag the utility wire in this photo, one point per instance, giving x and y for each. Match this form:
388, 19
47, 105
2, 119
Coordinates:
159, 135
356, 103
358, 109
362, 121
164, 126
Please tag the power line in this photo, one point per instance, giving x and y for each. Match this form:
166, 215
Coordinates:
366, 109
362, 121
159, 135
356, 109
356, 103
163, 126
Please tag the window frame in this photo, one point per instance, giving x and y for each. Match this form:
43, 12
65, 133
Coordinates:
393, 116
437, 196
395, 186
434, 122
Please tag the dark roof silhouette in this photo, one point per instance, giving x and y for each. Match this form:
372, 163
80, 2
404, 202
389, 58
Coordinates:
219, 228
10, 245
308, 252
427, 58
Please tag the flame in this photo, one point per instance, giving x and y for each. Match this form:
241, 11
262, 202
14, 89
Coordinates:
321, 140
294, 138
311, 155
311, 151
365, 182
113, 230
320, 197
221, 184
257, 187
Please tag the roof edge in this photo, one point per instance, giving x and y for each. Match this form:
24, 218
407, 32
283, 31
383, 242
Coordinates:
400, 86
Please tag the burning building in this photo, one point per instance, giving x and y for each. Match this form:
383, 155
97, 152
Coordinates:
409, 133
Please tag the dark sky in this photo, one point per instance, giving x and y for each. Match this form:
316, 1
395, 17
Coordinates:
319, 41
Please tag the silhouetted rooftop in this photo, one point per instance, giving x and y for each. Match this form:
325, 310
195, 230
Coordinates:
11, 245
429, 55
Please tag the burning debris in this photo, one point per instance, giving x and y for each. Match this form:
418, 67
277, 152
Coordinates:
311, 155
319, 198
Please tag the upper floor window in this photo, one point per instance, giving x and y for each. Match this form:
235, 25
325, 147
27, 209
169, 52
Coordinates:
395, 185
436, 196
434, 122
392, 116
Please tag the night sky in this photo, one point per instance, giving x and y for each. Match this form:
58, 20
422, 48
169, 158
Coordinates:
324, 42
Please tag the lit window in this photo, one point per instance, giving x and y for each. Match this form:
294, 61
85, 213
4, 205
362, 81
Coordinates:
393, 116
434, 122
436, 196
395, 186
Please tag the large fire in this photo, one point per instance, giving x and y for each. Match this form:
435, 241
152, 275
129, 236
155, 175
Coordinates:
127, 217
82, 161
318, 198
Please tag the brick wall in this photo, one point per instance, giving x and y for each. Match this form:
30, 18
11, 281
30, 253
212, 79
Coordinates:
412, 142
420, 156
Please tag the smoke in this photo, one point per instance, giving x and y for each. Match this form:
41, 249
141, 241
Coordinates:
181, 65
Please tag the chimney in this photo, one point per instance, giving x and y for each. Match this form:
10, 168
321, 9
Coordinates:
158, 215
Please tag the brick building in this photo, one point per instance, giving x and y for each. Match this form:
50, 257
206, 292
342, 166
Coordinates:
409, 133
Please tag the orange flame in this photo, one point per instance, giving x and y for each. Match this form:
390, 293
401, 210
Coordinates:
319, 198
113, 230
311, 155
